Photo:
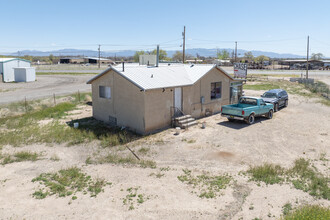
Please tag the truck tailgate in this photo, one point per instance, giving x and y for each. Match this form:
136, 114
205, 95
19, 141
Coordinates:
231, 110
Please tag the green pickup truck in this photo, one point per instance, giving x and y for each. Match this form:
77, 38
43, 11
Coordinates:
247, 109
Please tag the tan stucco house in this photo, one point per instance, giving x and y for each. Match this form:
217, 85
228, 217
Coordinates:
145, 99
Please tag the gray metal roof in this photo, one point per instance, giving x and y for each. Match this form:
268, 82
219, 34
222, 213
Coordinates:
4, 60
95, 58
147, 78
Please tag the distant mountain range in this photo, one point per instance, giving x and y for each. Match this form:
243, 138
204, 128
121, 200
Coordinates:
200, 51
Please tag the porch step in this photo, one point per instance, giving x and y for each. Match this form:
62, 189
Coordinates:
185, 121
189, 124
182, 117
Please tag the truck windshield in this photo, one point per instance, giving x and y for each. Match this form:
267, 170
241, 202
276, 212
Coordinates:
269, 95
248, 101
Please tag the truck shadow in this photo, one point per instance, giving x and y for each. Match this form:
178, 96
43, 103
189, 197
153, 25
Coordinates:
240, 124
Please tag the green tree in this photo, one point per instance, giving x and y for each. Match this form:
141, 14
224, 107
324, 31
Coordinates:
162, 54
177, 56
261, 59
249, 56
137, 54
223, 54
51, 58
317, 56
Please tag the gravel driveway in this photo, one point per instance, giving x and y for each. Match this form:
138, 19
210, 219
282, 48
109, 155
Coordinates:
45, 86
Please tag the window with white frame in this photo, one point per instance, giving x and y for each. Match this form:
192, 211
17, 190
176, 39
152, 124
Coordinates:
105, 92
216, 90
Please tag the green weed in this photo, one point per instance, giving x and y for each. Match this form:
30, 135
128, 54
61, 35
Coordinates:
309, 212
144, 150
67, 182
266, 86
19, 157
302, 175
124, 160
133, 197
268, 173
286, 209
205, 185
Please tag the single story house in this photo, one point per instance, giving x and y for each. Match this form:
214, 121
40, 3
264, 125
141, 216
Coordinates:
145, 99
7, 66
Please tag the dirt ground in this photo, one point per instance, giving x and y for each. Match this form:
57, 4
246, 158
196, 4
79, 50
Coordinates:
45, 86
301, 130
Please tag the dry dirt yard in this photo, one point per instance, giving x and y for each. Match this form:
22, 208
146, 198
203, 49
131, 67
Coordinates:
45, 86
225, 149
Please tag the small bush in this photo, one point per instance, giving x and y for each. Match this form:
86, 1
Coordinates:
309, 212
287, 208
302, 176
268, 173
19, 157
207, 186
66, 182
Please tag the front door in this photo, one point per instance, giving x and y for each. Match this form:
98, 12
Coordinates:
178, 101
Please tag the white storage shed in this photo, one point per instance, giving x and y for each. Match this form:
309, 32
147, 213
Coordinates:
25, 74
7, 66
147, 60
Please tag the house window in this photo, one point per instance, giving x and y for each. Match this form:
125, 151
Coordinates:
216, 90
105, 92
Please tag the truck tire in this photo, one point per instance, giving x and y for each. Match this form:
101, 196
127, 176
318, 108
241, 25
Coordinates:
286, 103
270, 114
250, 119
275, 107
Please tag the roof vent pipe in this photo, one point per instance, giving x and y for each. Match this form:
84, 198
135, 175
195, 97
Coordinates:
157, 58
123, 66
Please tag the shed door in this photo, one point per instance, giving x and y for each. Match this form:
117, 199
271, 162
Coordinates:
178, 98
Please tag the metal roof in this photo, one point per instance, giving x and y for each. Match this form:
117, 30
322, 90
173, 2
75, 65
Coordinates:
147, 78
300, 61
71, 58
95, 58
4, 60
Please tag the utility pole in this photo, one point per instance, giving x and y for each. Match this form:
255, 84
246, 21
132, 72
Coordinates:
235, 51
99, 55
184, 43
307, 57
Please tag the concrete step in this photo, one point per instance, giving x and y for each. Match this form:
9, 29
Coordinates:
182, 117
189, 124
186, 120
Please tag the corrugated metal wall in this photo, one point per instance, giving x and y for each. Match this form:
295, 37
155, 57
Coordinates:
8, 69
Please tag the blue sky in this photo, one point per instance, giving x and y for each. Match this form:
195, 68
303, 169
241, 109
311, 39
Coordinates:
277, 26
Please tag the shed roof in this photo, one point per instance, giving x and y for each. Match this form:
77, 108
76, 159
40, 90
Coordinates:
4, 60
147, 78
96, 58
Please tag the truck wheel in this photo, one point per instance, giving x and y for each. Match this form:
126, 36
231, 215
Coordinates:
250, 119
286, 103
270, 114
275, 107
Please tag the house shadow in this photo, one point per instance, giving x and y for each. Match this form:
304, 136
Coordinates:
105, 132
238, 124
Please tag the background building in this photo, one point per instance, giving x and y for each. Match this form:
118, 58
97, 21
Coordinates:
7, 66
